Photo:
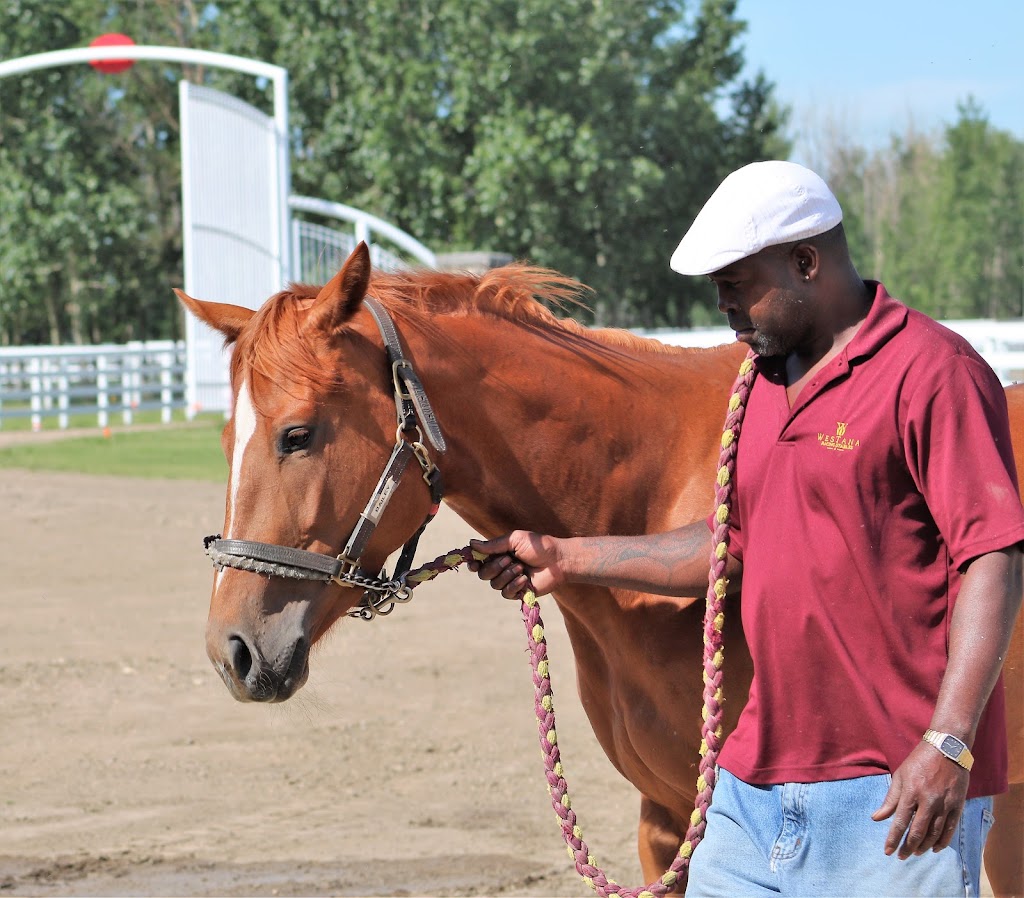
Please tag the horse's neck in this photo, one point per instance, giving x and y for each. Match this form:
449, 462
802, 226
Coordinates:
570, 436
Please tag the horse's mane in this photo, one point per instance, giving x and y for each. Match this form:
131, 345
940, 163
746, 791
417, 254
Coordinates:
273, 343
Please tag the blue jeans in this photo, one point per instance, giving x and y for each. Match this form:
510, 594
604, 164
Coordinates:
818, 839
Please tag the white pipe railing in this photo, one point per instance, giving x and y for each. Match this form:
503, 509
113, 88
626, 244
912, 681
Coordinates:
366, 225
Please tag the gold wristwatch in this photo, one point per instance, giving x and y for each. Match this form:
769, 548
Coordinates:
954, 749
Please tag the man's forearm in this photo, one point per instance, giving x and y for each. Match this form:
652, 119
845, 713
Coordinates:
988, 603
674, 563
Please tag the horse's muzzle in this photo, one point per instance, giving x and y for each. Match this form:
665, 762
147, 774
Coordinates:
251, 678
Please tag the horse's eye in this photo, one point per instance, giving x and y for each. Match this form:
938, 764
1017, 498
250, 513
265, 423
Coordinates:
296, 439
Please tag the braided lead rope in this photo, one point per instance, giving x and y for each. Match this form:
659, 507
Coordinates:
711, 730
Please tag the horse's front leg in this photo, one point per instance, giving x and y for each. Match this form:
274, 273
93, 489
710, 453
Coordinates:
1004, 854
659, 836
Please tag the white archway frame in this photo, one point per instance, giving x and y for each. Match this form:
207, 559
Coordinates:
277, 75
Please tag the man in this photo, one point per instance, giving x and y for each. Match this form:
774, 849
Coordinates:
875, 533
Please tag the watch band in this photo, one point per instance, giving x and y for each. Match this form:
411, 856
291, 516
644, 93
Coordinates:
954, 749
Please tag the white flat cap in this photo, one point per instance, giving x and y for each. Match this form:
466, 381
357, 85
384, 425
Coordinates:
762, 204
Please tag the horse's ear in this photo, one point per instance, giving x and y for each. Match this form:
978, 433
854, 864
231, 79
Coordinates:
339, 299
227, 319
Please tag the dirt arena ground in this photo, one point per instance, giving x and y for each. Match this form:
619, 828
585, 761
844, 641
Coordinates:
408, 765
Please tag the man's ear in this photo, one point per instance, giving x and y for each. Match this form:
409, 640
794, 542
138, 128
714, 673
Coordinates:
806, 258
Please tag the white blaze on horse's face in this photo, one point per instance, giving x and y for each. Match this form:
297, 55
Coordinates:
245, 427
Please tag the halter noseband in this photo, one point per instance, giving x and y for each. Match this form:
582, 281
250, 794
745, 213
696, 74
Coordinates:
380, 594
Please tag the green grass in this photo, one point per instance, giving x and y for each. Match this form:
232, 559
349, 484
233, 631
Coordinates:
172, 451
75, 419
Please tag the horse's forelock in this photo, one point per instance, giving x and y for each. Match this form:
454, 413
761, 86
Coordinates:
275, 343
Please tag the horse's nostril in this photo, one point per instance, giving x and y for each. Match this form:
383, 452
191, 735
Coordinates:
298, 660
239, 657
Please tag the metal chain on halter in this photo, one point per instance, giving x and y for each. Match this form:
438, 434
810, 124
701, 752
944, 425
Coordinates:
711, 730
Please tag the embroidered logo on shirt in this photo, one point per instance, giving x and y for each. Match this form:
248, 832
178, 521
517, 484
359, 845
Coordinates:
839, 441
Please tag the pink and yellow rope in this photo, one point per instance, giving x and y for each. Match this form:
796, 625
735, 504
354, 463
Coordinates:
711, 730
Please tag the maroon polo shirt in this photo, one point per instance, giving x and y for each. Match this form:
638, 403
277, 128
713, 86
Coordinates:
854, 511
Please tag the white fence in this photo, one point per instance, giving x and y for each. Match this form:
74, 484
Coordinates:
38, 382
1000, 343
106, 381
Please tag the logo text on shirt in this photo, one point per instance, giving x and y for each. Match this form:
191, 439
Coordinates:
838, 441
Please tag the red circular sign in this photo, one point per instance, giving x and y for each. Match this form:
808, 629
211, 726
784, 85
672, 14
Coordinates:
112, 66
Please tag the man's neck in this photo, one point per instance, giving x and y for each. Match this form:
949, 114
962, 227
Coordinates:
847, 318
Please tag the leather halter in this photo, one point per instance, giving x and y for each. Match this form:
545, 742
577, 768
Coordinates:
380, 594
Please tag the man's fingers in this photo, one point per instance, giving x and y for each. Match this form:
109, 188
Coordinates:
500, 569
902, 812
948, 831
921, 834
900, 824
511, 581
498, 546
889, 803
930, 828
935, 831
505, 573
924, 801
516, 588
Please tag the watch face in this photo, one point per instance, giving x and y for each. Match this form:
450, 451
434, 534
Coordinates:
951, 746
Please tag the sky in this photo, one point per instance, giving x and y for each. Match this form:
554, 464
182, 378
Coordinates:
872, 68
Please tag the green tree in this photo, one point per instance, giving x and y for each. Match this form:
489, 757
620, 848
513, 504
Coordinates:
581, 135
90, 215
938, 217
980, 227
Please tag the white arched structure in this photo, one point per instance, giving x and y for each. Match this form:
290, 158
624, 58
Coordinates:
240, 245
276, 75
235, 186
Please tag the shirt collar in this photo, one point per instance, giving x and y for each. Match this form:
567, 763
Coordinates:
885, 318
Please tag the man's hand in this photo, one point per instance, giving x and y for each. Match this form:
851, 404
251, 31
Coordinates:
520, 561
925, 801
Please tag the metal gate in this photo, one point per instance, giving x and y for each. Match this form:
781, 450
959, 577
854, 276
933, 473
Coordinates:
232, 212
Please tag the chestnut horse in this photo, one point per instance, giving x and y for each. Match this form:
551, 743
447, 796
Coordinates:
550, 427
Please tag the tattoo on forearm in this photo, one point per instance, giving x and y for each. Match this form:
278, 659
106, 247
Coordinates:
665, 561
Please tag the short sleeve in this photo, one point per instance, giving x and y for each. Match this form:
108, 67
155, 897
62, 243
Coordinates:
958, 450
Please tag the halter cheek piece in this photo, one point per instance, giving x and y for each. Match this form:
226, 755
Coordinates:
380, 594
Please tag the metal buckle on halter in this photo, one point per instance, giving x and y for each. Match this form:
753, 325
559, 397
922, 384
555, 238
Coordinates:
395, 365
404, 406
346, 575
425, 463
418, 449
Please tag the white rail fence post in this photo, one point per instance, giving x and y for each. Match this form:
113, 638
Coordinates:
62, 399
36, 386
102, 398
166, 394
